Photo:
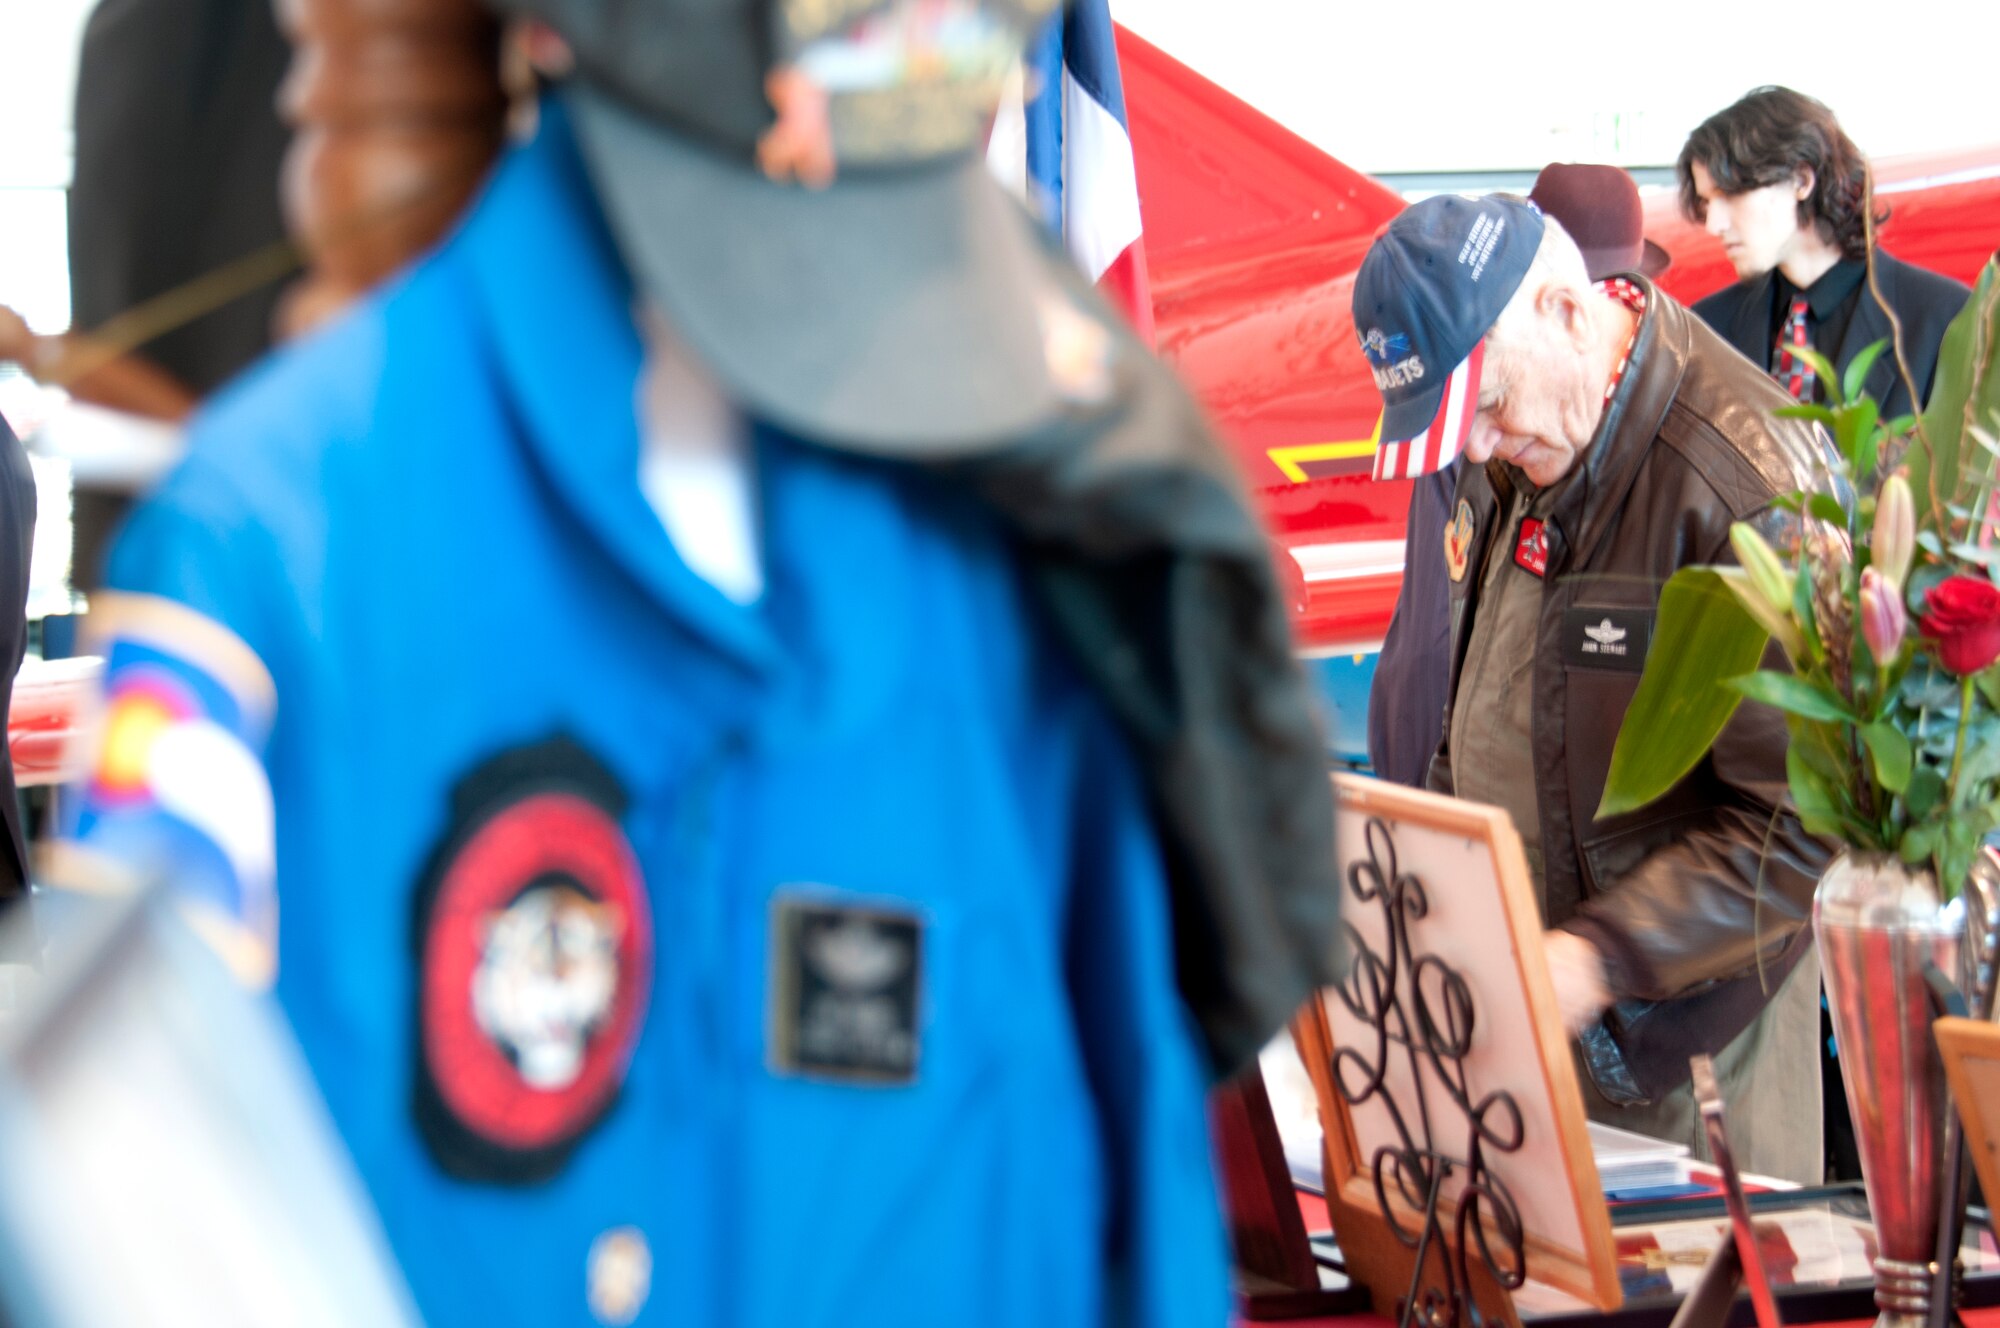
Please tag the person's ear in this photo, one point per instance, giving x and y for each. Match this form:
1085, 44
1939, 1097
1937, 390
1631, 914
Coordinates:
1564, 309
1803, 181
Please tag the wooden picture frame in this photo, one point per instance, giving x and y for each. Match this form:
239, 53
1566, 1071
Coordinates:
1466, 908
1971, 1052
1277, 1274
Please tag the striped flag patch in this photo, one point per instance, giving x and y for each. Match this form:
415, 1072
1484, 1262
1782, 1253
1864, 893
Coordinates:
1438, 446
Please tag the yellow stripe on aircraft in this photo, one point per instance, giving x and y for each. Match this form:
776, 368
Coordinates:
1291, 460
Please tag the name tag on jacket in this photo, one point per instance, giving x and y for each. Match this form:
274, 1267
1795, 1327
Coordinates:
1614, 639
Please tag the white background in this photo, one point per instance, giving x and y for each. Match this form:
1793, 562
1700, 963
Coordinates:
1469, 85
1386, 85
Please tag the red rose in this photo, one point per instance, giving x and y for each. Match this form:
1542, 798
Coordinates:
1962, 614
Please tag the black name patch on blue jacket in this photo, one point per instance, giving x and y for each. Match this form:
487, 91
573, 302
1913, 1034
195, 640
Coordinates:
1613, 639
845, 990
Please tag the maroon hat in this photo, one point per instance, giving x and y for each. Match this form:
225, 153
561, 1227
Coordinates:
1599, 207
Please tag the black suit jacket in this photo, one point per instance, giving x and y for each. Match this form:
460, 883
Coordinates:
1924, 303
17, 537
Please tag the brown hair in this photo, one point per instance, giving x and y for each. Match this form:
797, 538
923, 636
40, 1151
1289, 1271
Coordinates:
1764, 139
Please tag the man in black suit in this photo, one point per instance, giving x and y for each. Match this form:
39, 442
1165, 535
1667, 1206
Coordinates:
17, 538
1777, 181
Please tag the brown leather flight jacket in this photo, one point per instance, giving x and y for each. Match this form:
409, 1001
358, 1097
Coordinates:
1698, 902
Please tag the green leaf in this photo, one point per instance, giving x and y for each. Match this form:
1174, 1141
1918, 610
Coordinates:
1989, 558
1982, 759
1954, 857
1923, 579
1988, 682
1823, 746
1819, 808
1807, 410
1925, 792
1858, 367
1901, 425
1802, 613
1829, 509
1965, 388
1792, 694
1890, 751
1701, 635
1857, 419
1928, 687
1920, 841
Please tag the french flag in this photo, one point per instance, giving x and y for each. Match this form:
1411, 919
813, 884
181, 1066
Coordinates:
1080, 176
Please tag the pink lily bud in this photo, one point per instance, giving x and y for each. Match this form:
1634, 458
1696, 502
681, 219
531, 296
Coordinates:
1883, 620
1895, 539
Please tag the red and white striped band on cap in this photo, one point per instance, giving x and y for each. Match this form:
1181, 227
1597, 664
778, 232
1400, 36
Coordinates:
1439, 445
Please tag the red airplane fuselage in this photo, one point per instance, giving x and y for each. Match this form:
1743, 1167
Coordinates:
1253, 237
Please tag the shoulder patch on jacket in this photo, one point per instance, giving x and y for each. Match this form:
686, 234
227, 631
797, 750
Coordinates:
177, 786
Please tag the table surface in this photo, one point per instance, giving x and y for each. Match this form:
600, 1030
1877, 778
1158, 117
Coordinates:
1985, 1318
1313, 1209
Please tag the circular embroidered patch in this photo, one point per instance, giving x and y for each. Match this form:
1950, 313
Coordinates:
535, 947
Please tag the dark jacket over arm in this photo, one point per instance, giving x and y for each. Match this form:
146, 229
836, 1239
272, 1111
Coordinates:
17, 538
1143, 548
1413, 672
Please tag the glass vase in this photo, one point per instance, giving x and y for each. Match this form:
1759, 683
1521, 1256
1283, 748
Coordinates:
1880, 926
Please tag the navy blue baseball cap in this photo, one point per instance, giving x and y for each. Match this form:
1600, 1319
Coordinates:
1430, 289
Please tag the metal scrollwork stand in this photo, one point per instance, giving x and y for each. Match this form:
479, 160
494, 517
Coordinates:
1421, 1011
1981, 977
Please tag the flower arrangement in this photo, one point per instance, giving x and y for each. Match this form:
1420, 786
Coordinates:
1888, 614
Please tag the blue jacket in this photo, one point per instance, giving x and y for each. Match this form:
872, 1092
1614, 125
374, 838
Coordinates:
423, 526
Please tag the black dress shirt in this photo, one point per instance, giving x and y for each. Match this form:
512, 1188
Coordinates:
1830, 305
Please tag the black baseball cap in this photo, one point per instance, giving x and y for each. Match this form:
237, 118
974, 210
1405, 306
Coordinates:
1429, 290
910, 305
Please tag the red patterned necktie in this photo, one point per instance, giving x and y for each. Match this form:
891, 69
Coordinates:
1792, 372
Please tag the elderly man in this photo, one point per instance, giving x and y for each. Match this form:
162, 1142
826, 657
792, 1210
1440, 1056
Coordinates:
1610, 439
1599, 207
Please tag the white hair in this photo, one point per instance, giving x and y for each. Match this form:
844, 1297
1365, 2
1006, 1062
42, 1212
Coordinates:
1556, 259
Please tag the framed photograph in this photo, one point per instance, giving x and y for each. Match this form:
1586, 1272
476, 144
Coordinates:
1440, 1063
1971, 1050
1278, 1274
1817, 1245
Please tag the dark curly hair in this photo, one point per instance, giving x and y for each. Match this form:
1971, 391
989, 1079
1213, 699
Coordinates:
1762, 140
